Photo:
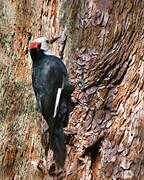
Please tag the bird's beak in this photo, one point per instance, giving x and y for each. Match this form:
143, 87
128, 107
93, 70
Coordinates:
53, 40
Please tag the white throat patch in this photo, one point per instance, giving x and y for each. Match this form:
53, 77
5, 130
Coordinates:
48, 52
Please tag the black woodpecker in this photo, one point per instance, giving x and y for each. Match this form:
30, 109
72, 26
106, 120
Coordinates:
50, 83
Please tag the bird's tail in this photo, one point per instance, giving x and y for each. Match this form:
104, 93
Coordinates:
57, 144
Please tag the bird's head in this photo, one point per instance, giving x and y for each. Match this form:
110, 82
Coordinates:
39, 47
41, 43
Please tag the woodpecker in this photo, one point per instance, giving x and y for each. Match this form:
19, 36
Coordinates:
50, 84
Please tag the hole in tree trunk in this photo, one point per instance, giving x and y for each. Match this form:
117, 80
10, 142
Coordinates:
95, 154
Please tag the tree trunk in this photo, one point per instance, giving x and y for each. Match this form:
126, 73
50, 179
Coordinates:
101, 42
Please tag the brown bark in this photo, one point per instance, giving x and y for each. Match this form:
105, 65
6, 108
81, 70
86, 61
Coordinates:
102, 46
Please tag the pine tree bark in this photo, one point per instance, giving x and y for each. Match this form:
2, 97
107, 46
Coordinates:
101, 42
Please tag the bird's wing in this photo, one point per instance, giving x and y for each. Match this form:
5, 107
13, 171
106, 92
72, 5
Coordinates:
53, 83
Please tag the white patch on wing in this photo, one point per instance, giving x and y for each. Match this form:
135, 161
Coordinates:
58, 98
57, 101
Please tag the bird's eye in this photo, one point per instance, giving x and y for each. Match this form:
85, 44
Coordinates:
47, 41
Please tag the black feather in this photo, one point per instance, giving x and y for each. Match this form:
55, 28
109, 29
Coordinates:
48, 74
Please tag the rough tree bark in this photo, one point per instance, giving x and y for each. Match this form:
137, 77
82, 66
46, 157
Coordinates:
102, 44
